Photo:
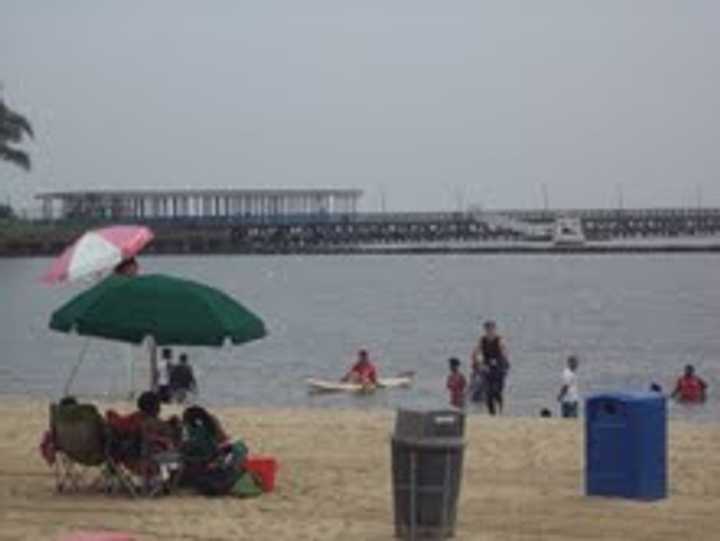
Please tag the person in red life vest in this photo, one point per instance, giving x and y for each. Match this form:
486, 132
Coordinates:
456, 384
363, 371
690, 388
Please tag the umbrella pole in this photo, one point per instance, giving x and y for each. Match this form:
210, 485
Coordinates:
153, 367
74, 371
131, 372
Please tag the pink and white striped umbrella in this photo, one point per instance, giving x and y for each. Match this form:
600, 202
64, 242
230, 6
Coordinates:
97, 252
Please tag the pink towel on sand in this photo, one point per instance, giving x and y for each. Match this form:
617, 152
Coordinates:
98, 536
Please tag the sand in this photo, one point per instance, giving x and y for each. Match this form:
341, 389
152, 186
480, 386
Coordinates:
522, 481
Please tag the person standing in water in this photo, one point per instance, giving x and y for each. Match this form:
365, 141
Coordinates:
182, 380
569, 397
165, 367
456, 384
477, 382
689, 388
495, 366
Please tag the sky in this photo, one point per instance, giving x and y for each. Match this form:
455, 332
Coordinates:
428, 105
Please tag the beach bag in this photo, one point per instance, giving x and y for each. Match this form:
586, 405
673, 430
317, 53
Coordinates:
246, 486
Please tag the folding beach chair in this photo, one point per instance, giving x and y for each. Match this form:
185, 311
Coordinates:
81, 440
160, 465
90, 456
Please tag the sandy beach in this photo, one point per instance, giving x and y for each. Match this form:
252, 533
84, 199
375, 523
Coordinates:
522, 481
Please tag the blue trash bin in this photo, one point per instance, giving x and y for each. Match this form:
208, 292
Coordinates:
626, 445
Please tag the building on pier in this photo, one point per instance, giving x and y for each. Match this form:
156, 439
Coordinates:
211, 203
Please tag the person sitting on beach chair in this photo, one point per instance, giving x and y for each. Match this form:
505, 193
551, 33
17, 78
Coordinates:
147, 445
131, 430
78, 444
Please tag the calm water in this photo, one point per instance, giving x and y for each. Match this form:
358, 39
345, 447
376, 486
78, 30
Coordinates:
632, 319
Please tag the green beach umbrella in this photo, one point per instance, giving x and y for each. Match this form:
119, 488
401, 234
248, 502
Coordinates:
170, 310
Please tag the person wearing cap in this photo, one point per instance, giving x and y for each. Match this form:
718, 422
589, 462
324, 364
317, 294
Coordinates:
363, 371
495, 365
569, 396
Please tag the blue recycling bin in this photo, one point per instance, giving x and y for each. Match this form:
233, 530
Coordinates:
626, 445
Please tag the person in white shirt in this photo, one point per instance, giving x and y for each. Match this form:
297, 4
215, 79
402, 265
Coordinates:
569, 397
164, 367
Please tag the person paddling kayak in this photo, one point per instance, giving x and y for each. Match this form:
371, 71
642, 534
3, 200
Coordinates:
363, 371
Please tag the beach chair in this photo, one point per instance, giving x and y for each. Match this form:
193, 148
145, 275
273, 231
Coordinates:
160, 465
81, 442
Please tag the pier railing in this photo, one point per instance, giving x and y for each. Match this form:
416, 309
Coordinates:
288, 232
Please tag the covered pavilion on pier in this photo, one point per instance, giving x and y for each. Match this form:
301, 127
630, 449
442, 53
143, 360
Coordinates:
196, 203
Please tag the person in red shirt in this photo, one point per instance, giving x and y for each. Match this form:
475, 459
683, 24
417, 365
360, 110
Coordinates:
690, 388
456, 384
129, 431
363, 371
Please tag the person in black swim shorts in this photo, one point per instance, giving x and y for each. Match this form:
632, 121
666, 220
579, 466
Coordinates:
495, 365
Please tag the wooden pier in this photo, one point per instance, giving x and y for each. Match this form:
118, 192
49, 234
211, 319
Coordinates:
408, 232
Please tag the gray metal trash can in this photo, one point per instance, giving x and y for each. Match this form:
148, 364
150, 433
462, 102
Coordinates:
427, 458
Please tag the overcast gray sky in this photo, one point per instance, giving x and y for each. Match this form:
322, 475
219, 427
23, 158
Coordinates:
433, 102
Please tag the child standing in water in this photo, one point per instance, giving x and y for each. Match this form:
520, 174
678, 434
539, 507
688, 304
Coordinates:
456, 384
477, 382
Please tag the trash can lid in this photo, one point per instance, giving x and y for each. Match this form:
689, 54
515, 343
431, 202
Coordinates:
627, 396
419, 424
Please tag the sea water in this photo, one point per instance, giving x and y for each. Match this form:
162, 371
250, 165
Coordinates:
632, 320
